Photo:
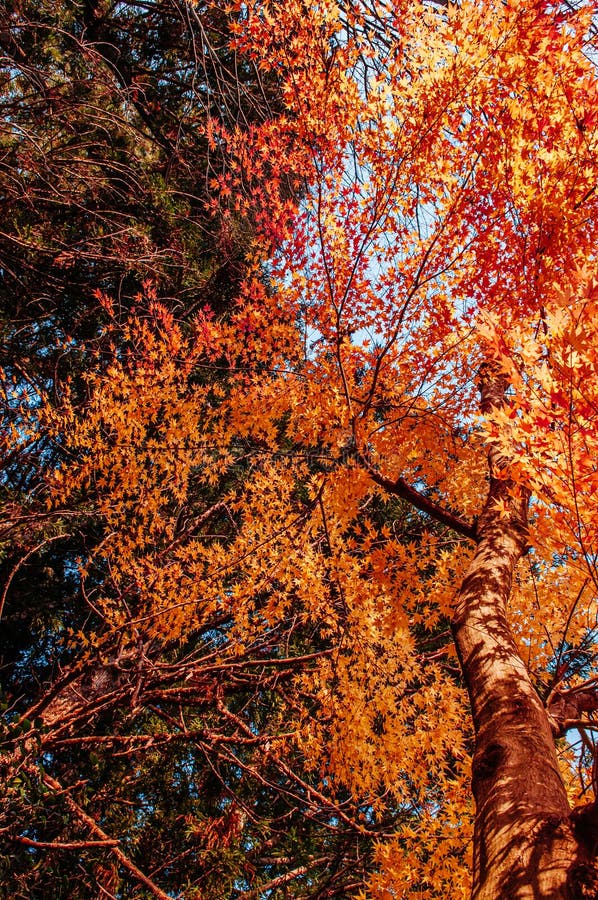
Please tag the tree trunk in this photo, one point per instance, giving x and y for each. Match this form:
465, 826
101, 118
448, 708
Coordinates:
527, 844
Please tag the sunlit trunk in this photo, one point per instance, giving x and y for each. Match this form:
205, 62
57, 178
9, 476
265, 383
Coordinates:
525, 841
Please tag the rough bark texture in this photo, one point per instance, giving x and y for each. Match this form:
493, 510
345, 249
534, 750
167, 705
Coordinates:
526, 842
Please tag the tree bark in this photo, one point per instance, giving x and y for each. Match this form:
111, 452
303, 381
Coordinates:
527, 843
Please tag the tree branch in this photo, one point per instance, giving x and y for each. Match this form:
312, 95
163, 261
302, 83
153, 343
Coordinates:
401, 488
106, 840
62, 845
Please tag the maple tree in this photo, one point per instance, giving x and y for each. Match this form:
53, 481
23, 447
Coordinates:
290, 506
445, 249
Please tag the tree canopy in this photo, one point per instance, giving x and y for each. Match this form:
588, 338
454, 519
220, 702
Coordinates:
299, 347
